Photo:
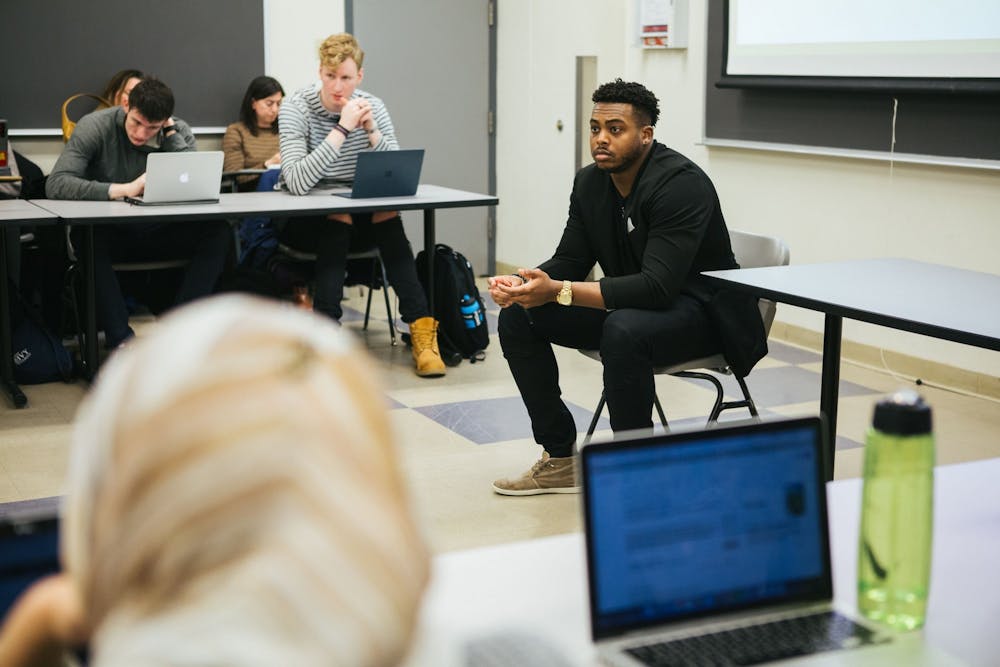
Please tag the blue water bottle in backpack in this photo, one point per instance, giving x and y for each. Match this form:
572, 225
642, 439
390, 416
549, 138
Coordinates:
472, 315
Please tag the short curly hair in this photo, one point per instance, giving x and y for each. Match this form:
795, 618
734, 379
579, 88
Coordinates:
645, 104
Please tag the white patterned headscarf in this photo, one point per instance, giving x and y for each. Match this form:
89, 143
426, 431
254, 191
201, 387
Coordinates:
234, 498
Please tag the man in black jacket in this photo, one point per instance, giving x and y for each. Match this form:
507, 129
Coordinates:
651, 219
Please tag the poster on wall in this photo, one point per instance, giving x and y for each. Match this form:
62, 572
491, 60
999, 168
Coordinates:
663, 24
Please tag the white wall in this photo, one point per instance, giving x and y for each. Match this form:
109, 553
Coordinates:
538, 42
825, 208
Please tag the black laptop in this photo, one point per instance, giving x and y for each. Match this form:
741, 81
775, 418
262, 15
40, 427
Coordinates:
29, 550
710, 547
386, 174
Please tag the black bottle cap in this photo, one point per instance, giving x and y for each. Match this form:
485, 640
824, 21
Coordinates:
902, 413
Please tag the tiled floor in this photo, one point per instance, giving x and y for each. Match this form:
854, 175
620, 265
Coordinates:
458, 433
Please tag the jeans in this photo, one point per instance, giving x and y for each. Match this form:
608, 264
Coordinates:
207, 243
331, 241
631, 341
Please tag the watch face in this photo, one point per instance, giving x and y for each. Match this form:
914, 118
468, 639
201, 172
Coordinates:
565, 296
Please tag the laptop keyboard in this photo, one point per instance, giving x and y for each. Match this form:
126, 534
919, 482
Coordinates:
757, 644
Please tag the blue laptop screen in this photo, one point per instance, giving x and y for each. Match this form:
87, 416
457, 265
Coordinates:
697, 524
28, 551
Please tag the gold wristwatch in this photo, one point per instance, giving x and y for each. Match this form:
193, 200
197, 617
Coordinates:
565, 296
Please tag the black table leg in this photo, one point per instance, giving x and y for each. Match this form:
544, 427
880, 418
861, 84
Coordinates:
90, 359
10, 387
829, 386
429, 243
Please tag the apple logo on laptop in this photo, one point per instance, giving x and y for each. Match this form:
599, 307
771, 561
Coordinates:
184, 177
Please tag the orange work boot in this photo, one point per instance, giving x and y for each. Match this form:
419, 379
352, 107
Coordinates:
423, 338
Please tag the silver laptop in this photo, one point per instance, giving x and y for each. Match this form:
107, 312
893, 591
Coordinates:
711, 548
185, 177
385, 174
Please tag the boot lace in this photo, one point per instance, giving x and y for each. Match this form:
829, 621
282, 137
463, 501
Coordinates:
424, 338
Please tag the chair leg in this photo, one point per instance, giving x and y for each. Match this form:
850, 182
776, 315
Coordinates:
750, 405
600, 409
659, 411
593, 421
388, 307
721, 405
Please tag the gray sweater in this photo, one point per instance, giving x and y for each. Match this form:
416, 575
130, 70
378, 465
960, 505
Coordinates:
99, 153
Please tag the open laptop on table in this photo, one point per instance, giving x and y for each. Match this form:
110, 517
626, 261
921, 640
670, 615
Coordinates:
183, 177
29, 550
711, 548
385, 174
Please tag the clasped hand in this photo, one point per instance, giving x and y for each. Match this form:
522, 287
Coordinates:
538, 288
357, 113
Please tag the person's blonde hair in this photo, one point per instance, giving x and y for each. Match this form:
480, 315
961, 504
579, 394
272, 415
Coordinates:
234, 497
335, 49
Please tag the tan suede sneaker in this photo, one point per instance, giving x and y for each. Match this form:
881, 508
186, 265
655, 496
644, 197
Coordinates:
548, 475
424, 342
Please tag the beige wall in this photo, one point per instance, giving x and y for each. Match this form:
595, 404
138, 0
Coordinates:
825, 208
538, 42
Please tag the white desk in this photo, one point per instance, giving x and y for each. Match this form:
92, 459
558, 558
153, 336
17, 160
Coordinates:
13, 212
89, 213
539, 586
928, 299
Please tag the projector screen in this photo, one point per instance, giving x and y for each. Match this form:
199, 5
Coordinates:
942, 44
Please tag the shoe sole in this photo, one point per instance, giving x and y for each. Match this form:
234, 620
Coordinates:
432, 374
535, 492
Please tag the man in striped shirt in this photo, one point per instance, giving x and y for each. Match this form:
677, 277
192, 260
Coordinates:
323, 127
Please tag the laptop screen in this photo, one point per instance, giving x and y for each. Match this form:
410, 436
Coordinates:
29, 550
695, 524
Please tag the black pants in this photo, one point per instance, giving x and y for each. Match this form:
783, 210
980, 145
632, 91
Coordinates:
331, 241
632, 342
207, 243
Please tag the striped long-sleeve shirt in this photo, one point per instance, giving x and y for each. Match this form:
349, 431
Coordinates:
307, 159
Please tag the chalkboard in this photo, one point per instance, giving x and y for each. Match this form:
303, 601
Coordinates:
207, 51
937, 124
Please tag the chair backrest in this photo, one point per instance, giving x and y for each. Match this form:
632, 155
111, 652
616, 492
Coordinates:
754, 251
69, 125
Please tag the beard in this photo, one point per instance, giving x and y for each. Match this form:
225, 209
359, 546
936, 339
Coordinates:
626, 161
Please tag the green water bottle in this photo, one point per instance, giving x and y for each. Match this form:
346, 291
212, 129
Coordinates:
897, 513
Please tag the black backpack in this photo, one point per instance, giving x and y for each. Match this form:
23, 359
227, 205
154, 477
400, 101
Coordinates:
463, 332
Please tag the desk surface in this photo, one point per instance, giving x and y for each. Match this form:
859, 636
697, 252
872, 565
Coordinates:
539, 586
262, 203
941, 301
22, 210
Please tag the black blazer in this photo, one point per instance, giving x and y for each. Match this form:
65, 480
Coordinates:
671, 230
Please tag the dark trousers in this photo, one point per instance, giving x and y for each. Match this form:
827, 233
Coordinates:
206, 243
632, 342
331, 241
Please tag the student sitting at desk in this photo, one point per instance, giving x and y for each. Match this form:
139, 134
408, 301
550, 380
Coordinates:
252, 142
244, 508
106, 159
119, 86
323, 127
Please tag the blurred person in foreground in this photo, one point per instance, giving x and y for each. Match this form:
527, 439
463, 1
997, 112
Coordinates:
233, 500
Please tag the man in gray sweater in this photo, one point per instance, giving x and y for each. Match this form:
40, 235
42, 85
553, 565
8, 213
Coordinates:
105, 158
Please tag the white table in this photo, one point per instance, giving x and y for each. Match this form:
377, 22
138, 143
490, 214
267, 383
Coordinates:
236, 205
540, 586
929, 299
13, 212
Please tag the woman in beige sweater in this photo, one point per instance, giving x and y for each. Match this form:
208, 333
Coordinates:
252, 142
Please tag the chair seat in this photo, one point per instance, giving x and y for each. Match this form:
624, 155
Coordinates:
716, 363
751, 251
